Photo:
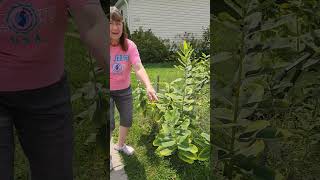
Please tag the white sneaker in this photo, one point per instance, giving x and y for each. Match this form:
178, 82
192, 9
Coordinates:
128, 150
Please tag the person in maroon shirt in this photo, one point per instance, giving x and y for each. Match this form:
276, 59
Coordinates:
34, 93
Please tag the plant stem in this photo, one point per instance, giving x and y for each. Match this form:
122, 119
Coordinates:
298, 34
236, 105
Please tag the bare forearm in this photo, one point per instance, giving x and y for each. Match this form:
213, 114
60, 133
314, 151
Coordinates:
143, 76
93, 27
97, 41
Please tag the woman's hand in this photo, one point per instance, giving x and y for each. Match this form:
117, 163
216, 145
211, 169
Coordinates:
152, 95
142, 76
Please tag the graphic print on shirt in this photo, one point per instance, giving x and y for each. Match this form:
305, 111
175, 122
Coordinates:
24, 20
118, 67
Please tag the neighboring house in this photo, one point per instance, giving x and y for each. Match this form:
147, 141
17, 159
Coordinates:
167, 18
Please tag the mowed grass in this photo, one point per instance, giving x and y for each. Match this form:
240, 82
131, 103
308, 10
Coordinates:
88, 161
145, 164
165, 71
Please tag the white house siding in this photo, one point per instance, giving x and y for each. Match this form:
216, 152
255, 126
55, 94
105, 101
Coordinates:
124, 10
168, 18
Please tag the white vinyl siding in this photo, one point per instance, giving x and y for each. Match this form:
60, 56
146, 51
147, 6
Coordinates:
169, 18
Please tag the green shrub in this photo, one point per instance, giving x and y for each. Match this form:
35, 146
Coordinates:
151, 48
199, 45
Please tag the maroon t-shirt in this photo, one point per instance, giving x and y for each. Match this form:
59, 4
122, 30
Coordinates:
32, 42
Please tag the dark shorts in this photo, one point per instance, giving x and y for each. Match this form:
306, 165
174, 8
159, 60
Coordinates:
123, 101
43, 120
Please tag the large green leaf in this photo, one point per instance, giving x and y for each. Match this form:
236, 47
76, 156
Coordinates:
200, 142
222, 96
267, 133
185, 146
252, 5
204, 154
257, 94
257, 126
224, 16
253, 150
280, 43
172, 115
251, 93
91, 139
283, 133
230, 25
274, 23
165, 151
206, 136
168, 143
166, 129
235, 7
187, 156
185, 124
311, 62
174, 97
101, 139
187, 108
156, 142
253, 21
309, 40
161, 107
176, 81
185, 159
222, 56
246, 112
222, 113
252, 63
100, 113
182, 138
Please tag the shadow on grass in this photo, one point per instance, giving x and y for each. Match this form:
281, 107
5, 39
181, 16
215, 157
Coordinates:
146, 140
196, 171
137, 171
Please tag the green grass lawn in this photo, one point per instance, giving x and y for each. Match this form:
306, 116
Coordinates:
165, 71
145, 164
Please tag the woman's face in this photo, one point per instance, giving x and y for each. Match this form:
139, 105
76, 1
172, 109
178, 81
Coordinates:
115, 29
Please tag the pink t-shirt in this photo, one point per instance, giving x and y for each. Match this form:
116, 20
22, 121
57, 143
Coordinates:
32, 42
120, 65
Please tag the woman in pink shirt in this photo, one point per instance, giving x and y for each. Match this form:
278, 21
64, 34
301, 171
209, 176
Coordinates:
123, 55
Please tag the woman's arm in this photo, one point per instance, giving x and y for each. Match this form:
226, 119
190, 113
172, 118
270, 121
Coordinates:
93, 28
143, 76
